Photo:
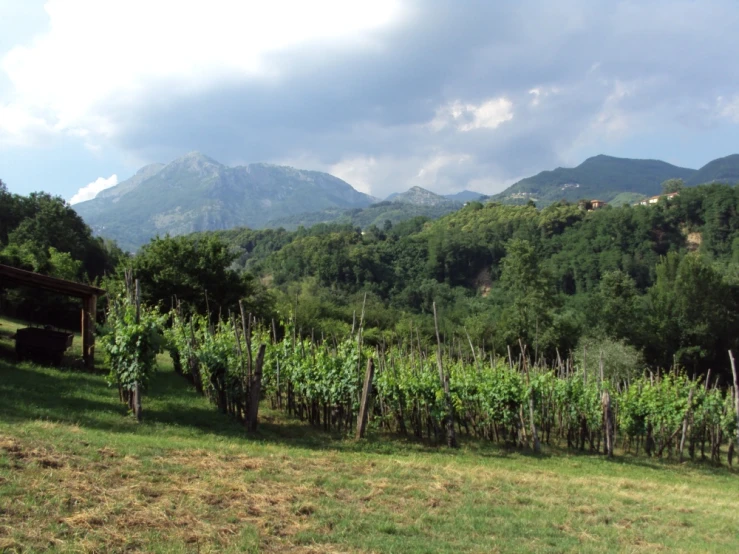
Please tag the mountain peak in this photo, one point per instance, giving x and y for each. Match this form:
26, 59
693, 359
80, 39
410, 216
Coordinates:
419, 196
197, 193
194, 159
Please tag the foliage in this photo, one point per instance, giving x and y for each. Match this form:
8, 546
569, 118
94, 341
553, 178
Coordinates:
195, 272
131, 339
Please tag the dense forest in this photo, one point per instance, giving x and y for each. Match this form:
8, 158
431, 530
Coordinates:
650, 286
654, 285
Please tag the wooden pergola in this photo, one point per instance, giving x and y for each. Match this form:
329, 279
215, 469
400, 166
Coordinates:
12, 276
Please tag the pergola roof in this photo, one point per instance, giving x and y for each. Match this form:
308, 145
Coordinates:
14, 276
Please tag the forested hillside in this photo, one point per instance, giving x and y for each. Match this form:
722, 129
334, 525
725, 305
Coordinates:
601, 177
657, 283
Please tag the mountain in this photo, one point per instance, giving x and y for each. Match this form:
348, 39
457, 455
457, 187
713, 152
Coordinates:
197, 193
721, 170
420, 197
601, 177
465, 196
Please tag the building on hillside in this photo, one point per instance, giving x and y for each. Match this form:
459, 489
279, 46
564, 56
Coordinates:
595, 204
655, 199
591, 205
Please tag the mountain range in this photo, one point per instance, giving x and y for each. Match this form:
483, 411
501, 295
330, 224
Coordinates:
197, 193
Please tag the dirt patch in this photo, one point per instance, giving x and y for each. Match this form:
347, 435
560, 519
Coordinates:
694, 241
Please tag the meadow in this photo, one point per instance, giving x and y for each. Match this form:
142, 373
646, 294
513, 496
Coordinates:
79, 474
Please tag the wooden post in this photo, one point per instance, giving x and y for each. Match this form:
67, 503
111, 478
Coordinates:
685, 423
451, 437
364, 404
736, 394
255, 390
137, 386
83, 331
87, 330
534, 433
608, 423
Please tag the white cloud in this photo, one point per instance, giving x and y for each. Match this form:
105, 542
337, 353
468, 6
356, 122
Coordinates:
729, 108
429, 171
358, 172
18, 127
468, 117
90, 191
538, 93
102, 52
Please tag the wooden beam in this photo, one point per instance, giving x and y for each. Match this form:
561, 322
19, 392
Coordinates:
14, 276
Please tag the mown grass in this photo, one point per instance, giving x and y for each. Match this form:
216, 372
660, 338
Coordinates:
78, 474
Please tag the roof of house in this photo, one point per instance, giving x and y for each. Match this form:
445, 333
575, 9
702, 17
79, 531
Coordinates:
14, 276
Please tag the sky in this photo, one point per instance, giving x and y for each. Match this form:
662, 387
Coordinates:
385, 94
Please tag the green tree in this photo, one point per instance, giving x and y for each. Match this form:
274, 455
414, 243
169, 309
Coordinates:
672, 185
187, 267
529, 288
618, 307
691, 313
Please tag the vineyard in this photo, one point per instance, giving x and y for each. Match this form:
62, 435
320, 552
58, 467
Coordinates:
436, 395
77, 474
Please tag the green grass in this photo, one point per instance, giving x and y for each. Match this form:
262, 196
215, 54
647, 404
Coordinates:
77, 473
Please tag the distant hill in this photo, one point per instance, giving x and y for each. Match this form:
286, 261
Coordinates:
600, 177
465, 196
197, 193
376, 214
420, 197
721, 170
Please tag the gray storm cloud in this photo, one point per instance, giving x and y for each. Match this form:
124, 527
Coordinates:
457, 94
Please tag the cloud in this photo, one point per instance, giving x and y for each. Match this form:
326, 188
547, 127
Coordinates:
468, 117
91, 190
102, 54
729, 108
385, 94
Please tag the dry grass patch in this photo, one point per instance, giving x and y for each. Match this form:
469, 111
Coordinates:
191, 498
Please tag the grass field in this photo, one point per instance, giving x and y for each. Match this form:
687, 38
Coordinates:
77, 474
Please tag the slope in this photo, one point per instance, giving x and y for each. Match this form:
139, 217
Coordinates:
77, 474
602, 177
721, 170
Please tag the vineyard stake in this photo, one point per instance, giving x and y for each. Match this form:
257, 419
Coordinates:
736, 393
364, 404
451, 437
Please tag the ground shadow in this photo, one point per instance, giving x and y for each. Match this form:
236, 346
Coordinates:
33, 393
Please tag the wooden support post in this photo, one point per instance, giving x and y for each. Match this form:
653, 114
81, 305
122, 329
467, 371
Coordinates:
608, 423
89, 309
532, 423
83, 331
137, 386
736, 393
451, 436
366, 394
685, 423
255, 390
